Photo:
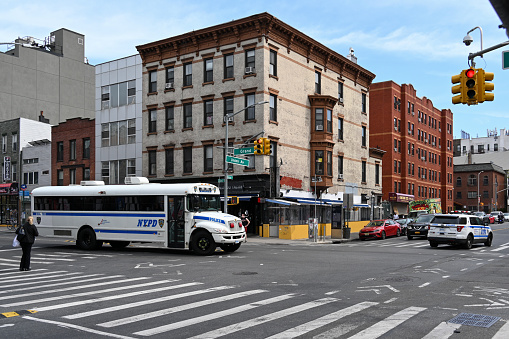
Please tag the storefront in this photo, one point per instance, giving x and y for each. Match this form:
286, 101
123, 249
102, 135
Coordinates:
399, 203
9, 203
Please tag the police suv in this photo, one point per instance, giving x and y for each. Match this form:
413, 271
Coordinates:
463, 229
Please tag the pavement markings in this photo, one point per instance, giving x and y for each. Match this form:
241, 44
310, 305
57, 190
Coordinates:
443, 330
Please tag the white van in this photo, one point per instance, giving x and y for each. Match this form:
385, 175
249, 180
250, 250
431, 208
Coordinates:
463, 229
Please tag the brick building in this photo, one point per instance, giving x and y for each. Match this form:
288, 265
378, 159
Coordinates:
419, 143
483, 180
73, 152
317, 117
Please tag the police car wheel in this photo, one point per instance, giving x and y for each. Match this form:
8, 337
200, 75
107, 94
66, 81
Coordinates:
433, 244
489, 240
203, 243
470, 241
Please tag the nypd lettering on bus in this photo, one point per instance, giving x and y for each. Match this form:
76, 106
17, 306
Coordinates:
150, 222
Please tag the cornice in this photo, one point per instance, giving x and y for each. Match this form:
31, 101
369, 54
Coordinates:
261, 26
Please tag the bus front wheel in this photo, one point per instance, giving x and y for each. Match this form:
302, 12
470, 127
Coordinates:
203, 243
87, 240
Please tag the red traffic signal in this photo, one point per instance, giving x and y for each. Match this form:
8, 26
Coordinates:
470, 73
258, 146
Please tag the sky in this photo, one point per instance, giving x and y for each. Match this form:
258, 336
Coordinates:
407, 41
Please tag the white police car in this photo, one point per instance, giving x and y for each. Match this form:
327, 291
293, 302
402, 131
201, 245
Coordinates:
463, 229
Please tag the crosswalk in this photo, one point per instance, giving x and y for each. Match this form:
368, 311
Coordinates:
129, 307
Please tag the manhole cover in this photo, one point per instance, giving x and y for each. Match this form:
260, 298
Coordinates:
474, 319
245, 273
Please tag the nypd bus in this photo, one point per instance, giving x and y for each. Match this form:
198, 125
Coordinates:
186, 216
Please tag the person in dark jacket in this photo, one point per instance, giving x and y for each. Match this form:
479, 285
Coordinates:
26, 237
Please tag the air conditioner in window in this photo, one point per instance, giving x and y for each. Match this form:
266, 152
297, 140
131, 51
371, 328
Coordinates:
169, 85
419, 119
319, 127
423, 158
250, 70
340, 176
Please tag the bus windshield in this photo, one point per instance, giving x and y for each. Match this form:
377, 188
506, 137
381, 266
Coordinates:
200, 203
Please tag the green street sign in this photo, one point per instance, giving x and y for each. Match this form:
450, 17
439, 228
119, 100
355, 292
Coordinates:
245, 150
505, 59
230, 177
237, 161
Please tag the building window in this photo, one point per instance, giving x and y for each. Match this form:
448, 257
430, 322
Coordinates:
329, 120
122, 132
340, 129
60, 151
152, 162
105, 172
318, 82
208, 71
340, 92
485, 194
72, 176
188, 74
318, 162
364, 99
207, 159
273, 63
60, 178
152, 81
485, 180
208, 112
395, 166
458, 182
363, 136
169, 164
105, 97
377, 174
188, 115
131, 131
251, 158
113, 133
86, 173
152, 120
170, 77
329, 163
30, 178
131, 167
105, 135
169, 118
131, 92
86, 148
228, 107
14, 139
250, 112
273, 107
495, 147
318, 119
228, 66
250, 60
340, 166
364, 171
188, 159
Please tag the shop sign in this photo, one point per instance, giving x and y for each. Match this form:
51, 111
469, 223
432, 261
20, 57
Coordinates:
7, 169
399, 197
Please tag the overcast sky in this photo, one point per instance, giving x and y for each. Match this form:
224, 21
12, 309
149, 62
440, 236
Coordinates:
407, 41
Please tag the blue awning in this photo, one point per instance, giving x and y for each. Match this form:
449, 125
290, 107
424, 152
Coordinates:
312, 202
281, 202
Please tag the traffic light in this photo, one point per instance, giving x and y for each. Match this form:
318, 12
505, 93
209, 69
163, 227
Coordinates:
471, 86
482, 77
266, 146
258, 146
459, 89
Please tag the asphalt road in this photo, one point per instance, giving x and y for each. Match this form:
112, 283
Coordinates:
393, 288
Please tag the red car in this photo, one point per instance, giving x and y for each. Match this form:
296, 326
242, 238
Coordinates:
379, 229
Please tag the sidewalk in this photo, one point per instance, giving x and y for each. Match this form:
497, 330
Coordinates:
276, 241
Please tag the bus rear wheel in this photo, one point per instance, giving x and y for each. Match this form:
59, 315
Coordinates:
203, 243
229, 247
119, 244
87, 240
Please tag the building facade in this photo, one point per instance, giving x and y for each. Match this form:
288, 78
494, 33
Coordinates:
16, 135
48, 81
73, 152
118, 120
418, 139
316, 116
480, 186
35, 170
494, 141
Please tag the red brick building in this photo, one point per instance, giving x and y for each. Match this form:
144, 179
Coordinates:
73, 151
418, 140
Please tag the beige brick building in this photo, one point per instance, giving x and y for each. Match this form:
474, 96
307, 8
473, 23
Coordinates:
317, 117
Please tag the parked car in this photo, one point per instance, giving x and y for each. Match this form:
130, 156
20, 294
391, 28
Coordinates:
506, 216
497, 215
459, 229
419, 227
379, 229
403, 223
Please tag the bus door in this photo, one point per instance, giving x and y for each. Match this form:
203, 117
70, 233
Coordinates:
176, 222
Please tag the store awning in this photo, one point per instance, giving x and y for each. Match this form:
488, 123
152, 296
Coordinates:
312, 202
11, 188
281, 202
361, 205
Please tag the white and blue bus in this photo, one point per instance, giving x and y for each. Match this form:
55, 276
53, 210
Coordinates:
186, 216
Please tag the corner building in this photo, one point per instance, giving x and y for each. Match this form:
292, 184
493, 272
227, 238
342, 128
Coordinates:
418, 139
316, 119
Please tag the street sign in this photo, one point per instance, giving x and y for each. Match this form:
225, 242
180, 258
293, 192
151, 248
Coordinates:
505, 59
316, 179
237, 161
245, 150
230, 177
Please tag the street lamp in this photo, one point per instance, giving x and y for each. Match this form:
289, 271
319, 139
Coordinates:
478, 196
227, 119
